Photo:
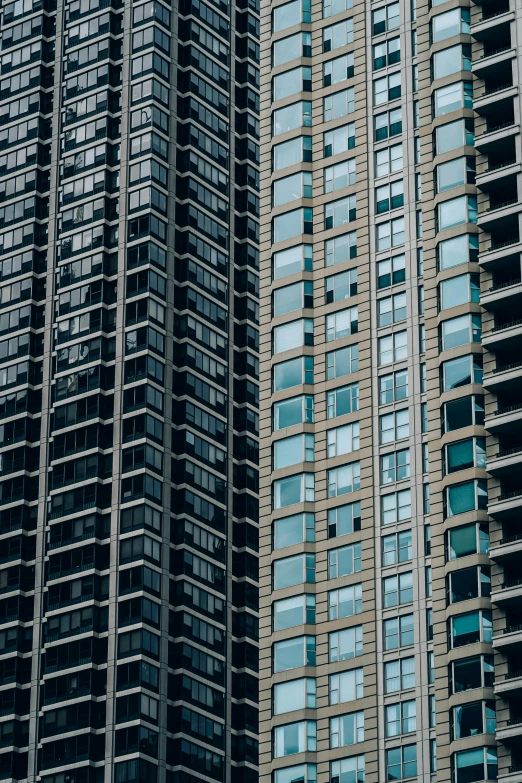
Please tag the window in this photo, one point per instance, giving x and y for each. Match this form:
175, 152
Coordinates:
307, 773
400, 718
345, 602
293, 653
291, 48
454, 135
294, 571
294, 334
292, 188
292, 297
342, 324
390, 196
347, 729
297, 115
395, 466
290, 14
467, 583
292, 224
295, 738
456, 211
345, 644
393, 348
295, 259
469, 673
339, 140
473, 765
344, 519
398, 589
340, 212
396, 507
468, 496
296, 410
294, 489
449, 24
351, 769
341, 286
386, 89
294, 373
294, 695
459, 290
289, 153
338, 70
464, 454
397, 548
459, 372
394, 387
346, 686
343, 440
460, 171
298, 610
391, 310
338, 105
342, 400
470, 628
386, 53
451, 60
386, 19
292, 450
291, 82
394, 426
294, 530
398, 632
344, 480
401, 762
341, 248
390, 234
388, 124
455, 96
342, 362
339, 176
399, 675
467, 540
459, 250
344, 561
389, 160
461, 330
338, 35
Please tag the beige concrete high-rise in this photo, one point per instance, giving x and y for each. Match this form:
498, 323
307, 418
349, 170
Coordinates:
391, 391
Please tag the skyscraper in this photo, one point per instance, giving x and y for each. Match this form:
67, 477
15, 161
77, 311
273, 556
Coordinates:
129, 152
391, 399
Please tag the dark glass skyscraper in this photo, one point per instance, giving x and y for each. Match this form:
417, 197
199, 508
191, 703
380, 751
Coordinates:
128, 391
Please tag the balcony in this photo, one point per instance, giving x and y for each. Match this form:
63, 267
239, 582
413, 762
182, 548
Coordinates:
507, 549
510, 685
506, 461
500, 253
506, 418
492, 26
506, 294
496, 173
510, 593
510, 639
511, 731
506, 378
501, 216
496, 99
507, 504
486, 64
513, 775
494, 137
507, 336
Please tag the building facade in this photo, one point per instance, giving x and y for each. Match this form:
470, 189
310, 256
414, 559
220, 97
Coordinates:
390, 392
129, 169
